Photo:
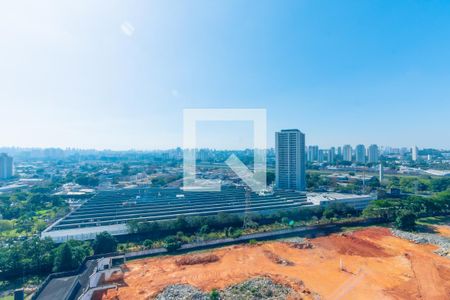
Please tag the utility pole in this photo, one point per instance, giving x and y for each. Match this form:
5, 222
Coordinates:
364, 181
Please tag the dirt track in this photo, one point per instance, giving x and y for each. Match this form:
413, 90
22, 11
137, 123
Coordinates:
376, 265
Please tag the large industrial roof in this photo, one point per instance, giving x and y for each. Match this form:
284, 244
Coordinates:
111, 210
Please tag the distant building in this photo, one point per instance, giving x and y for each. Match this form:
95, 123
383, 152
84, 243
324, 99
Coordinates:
290, 159
360, 152
347, 152
6, 166
321, 157
373, 154
414, 153
313, 153
358, 202
331, 155
403, 151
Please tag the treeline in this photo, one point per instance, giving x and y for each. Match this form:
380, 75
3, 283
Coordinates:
37, 256
422, 184
405, 211
29, 212
231, 222
27, 203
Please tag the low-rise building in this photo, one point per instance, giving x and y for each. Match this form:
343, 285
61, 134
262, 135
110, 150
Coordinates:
358, 202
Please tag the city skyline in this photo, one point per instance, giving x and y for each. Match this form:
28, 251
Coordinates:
381, 148
122, 78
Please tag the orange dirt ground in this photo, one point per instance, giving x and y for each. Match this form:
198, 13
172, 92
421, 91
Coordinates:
376, 265
443, 230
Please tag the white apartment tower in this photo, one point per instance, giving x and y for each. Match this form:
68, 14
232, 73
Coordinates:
347, 152
290, 159
360, 153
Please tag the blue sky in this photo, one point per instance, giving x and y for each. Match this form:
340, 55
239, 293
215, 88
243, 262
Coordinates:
118, 74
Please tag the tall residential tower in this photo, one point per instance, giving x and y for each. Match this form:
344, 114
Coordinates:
290, 159
373, 154
347, 153
360, 153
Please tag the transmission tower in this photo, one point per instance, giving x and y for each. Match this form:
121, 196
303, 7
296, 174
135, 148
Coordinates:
248, 196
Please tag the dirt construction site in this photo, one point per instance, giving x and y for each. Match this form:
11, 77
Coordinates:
366, 264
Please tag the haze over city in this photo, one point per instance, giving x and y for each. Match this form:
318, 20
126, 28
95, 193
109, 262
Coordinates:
116, 75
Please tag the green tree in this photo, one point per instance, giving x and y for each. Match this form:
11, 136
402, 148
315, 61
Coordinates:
172, 243
204, 229
90, 181
5, 225
148, 244
405, 220
104, 243
64, 259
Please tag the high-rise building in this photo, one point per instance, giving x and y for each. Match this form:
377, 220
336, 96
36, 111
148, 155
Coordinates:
373, 154
331, 155
339, 151
360, 153
414, 153
321, 156
347, 153
313, 153
6, 166
290, 159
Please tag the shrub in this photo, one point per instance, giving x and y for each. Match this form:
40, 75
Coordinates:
214, 295
148, 244
172, 243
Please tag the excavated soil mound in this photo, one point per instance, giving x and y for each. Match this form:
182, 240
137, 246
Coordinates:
277, 259
353, 244
197, 259
300, 245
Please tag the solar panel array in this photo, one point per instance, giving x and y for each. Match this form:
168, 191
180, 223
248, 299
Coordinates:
156, 204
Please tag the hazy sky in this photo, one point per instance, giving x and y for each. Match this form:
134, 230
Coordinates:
118, 74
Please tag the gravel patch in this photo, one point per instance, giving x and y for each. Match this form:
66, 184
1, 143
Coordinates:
252, 289
293, 240
182, 292
426, 238
257, 288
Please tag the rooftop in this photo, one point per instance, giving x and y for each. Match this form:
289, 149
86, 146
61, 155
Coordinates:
112, 210
316, 198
